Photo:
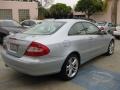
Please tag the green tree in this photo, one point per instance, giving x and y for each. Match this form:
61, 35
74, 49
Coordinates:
60, 10
43, 13
89, 7
105, 5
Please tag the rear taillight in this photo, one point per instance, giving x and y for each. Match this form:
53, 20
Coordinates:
37, 49
102, 28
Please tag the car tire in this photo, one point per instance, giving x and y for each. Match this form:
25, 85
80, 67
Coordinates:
111, 48
70, 67
119, 37
1, 39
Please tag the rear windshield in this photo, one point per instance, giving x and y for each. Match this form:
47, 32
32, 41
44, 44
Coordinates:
45, 28
101, 24
9, 24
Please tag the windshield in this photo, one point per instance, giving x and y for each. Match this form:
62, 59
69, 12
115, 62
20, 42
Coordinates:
9, 24
45, 28
101, 23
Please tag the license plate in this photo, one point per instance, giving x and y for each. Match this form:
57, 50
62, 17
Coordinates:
14, 47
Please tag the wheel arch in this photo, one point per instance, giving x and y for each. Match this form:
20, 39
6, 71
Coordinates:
74, 52
112, 40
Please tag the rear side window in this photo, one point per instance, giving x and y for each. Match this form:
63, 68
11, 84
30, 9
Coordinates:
45, 28
77, 29
90, 28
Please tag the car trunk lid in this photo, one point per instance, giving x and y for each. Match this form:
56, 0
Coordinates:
17, 44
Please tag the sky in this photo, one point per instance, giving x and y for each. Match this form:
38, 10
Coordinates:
67, 2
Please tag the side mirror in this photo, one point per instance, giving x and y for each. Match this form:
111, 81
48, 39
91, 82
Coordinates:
101, 28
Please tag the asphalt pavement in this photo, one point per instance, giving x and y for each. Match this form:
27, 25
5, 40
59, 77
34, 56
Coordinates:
101, 73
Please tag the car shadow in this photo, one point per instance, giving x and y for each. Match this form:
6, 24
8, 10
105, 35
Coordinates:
90, 62
37, 80
30, 80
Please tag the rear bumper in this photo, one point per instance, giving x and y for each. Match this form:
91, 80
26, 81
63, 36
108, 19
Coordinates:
32, 67
116, 33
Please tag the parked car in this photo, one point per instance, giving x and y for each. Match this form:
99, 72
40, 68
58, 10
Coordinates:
56, 46
91, 20
117, 32
109, 27
30, 23
9, 26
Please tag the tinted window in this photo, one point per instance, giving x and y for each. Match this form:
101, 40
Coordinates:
9, 24
101, 23
32, 23
110, 24
90, 28
25, 23
45, 28
77, 29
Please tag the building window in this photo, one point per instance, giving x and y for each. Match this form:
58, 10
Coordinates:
5, 13
24, 14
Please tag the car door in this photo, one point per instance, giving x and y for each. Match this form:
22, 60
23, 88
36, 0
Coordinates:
98, 42
80, 41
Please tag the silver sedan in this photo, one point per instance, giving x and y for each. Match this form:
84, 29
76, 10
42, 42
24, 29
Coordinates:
56, 46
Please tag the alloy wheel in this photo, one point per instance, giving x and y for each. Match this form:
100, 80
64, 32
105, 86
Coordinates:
72, 67
111, 48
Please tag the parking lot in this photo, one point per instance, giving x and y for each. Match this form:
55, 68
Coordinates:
102, 73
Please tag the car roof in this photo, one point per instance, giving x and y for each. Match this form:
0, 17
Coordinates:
37, 21
5, 20
103, 22
68, 20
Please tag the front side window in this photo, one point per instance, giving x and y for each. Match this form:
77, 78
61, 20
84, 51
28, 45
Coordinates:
101, 23
77, 29
90, 28
45, 28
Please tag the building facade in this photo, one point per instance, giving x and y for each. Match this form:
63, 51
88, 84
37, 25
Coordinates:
18, 10
105, 15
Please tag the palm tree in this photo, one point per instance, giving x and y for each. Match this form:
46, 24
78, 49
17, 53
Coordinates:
114, 11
